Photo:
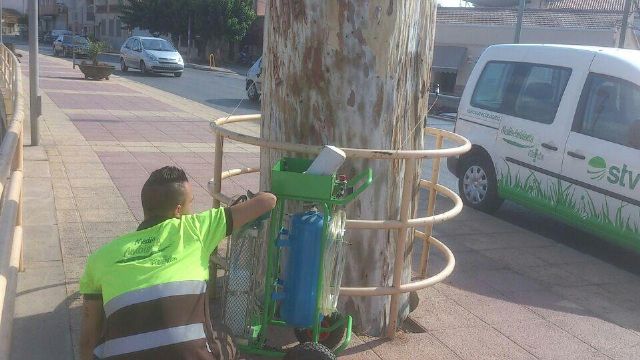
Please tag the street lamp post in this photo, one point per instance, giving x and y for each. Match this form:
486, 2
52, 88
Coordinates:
625, 24
519, 21
34, 86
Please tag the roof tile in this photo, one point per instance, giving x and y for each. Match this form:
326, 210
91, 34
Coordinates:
573, 19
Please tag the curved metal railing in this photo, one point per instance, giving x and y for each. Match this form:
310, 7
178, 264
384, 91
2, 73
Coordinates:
11, 175
405, 225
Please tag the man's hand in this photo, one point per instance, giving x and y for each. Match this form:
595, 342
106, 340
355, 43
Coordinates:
92, 322
251, 209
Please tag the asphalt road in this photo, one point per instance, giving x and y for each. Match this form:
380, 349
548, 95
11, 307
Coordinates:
225, 91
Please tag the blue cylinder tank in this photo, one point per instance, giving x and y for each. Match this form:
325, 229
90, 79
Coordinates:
302, 269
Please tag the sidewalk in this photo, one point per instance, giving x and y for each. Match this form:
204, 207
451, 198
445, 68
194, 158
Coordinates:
513, 295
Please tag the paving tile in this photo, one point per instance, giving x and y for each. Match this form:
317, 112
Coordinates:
65, 203
90, 182
38, 188
109, 229
438, 312
552, 275
607, 337
41, 212
40, 314
600, 302
74, 267
514, 258
546, 341
106, 215
104, 203
96, 193
560, 254
598, 272
67, 216
359, 349
494, 310
408, 346
549, 305
36, 169
508, 281
483, 342
74, 247
41, 243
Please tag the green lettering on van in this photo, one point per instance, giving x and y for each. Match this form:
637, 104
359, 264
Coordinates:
621, 176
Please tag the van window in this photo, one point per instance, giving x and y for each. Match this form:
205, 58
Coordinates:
609, 109
528, 91
490, 89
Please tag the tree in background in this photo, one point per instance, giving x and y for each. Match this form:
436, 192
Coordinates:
212, 21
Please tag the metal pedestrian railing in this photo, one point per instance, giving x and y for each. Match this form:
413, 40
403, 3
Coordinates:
11, 176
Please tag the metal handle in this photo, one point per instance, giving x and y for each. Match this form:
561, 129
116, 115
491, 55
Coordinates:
549, 147
576, 155
366, 177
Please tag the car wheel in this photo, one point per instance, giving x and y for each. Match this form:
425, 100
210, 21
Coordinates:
478, 184
252, 92
177, 74
143, 67
123, 65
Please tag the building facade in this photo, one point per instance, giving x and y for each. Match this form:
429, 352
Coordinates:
462, 34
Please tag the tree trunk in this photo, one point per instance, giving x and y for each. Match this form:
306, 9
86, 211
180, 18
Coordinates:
352, 73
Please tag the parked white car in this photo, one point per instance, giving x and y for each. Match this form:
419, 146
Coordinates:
556, 129
150, 54
253, 84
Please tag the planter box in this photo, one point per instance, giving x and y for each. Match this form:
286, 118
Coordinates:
96, 72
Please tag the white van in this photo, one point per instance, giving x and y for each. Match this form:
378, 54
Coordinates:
557, 129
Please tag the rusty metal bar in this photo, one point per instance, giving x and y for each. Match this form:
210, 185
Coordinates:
431, 205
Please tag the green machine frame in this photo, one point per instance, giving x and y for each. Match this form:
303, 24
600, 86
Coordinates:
290, 183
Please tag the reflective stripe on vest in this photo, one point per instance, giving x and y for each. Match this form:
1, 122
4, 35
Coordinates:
150, 340
188, 287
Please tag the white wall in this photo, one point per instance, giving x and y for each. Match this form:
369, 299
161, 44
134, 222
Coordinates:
476, 38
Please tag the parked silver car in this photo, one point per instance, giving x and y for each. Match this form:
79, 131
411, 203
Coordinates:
150, 54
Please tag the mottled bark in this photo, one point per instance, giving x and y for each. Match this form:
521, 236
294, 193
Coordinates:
352, 73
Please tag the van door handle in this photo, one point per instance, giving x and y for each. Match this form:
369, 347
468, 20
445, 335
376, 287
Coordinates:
549, 147
576, 155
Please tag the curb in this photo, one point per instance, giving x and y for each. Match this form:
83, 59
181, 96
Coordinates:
207, 68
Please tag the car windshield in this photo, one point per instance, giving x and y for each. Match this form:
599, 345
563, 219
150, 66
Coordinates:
157, 45
66, 39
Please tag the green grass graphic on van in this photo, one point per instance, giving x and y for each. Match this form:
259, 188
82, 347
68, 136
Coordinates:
563, 200
597, 168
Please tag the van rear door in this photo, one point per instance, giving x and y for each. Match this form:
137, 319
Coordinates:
601, 170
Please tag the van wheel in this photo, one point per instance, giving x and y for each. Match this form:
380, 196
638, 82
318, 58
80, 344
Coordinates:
143, 67
123, 65
478, 185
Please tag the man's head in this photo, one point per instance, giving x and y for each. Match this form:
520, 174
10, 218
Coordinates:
167, 193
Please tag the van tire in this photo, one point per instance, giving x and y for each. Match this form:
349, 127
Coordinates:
478, 184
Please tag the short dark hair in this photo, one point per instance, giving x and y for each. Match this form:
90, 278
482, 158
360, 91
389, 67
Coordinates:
163, 191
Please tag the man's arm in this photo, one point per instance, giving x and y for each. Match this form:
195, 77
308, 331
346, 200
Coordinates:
251, 209
92, 322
